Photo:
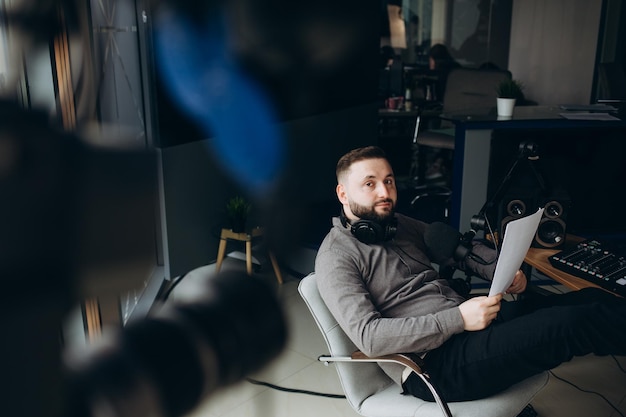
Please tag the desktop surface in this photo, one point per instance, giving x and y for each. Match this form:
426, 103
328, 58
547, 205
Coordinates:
520, 113
582, 255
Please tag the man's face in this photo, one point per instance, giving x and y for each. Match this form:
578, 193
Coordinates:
368, 191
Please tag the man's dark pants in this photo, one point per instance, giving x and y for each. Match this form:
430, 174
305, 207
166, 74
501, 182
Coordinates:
526, 339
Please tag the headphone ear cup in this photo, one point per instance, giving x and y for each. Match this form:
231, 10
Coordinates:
368, 231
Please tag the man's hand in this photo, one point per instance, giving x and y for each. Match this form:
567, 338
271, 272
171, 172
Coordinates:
519, 283
479, 312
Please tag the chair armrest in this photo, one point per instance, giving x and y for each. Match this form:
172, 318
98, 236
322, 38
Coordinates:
409, 360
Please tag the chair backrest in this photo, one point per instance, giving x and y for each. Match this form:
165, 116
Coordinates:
469, 88
358, 380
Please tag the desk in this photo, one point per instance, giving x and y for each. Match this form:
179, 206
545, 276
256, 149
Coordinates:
538, 259
228, 234
473, 145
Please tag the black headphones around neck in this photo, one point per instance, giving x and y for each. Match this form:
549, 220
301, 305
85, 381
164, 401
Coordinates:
369, 231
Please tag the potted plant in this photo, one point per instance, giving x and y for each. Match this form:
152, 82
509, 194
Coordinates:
508, 91
237, 210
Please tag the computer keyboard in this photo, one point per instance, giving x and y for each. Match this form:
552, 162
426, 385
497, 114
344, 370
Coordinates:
594, 261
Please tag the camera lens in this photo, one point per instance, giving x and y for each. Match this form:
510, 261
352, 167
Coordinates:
166, 363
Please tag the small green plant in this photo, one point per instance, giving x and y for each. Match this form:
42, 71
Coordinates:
510, 89
237, 209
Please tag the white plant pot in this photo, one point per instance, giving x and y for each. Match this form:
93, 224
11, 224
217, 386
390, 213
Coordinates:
505, 106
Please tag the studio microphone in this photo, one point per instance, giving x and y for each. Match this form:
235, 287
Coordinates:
445, 242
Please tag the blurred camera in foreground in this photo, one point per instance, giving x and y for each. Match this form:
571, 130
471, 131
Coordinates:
165, 364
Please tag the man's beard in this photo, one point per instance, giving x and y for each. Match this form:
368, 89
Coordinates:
369, 212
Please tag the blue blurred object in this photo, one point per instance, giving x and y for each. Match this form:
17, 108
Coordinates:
203, 78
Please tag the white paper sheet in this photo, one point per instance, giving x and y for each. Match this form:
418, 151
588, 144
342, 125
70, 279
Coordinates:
517, 240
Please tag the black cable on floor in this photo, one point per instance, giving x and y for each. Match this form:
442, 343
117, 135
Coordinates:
292, 390
588, 392
167, 290
619, 365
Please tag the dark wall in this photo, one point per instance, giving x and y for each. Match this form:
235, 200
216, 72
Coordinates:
586, 165
319, 66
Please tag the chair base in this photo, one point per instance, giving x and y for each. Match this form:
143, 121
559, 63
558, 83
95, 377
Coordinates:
511, 402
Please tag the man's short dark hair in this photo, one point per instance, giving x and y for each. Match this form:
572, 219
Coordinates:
356, 155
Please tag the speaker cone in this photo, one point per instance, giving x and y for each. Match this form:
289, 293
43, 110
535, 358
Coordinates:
551, 232
553, 210
516, 208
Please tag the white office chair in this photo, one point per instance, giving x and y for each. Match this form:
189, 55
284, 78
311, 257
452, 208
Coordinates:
371, 393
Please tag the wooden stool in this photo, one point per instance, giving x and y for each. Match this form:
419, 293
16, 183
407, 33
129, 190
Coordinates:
228, 234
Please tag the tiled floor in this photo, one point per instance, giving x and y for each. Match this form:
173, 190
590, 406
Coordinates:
298, 368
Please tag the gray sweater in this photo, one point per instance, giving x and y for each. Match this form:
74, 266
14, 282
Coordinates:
387, 297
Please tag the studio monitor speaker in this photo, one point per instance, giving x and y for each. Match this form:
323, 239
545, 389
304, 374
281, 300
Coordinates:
552, 226
515, 209
514, 205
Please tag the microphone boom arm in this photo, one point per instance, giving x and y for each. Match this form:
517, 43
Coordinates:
526, 150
